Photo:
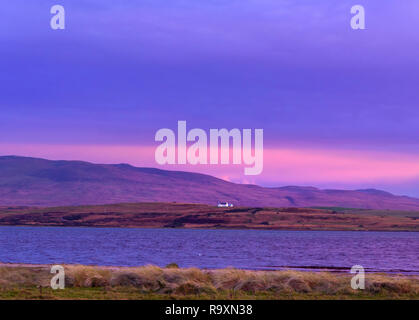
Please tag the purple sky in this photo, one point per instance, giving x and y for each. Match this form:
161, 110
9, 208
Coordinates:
120, 72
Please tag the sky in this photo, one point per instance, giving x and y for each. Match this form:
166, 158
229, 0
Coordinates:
339, 107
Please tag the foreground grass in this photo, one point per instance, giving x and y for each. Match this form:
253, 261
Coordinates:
151, 282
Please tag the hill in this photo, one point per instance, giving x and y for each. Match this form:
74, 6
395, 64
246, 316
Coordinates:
38, 182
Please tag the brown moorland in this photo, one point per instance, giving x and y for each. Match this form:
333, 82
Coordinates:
175, 215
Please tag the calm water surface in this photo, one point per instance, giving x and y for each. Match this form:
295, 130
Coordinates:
253, 249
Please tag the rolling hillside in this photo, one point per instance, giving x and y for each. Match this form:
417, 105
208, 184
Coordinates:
39, 182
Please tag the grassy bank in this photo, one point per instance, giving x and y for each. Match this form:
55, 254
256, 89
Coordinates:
151, 282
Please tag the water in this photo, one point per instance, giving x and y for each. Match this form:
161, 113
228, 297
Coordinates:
251, 249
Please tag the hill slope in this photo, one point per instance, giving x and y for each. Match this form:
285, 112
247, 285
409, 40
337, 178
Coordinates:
40, 182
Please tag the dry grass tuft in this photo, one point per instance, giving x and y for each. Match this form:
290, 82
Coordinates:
230, 282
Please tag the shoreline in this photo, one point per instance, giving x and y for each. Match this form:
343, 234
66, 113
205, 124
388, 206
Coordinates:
198, 228
305, 269
196, 216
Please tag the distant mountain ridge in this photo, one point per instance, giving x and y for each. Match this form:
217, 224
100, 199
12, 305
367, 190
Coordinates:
28, 181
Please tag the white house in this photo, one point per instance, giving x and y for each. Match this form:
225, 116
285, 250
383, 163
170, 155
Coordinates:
224, 205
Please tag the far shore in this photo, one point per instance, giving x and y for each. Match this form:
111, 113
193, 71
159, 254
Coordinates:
199, 216
204, 228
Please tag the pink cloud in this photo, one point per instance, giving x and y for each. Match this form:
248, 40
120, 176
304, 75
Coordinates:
328, 165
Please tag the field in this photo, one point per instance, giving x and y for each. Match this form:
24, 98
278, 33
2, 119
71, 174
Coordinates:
175, 215
151, 282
